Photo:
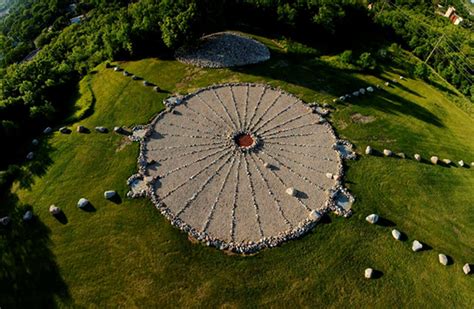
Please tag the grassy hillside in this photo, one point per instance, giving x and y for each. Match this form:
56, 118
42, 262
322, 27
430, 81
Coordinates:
127, 254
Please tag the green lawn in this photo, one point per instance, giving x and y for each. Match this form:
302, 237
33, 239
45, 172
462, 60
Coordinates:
128, 255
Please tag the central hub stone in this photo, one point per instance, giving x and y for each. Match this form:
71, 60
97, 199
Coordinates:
244, 140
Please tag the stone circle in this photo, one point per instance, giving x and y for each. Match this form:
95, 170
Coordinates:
218, 162
222, 50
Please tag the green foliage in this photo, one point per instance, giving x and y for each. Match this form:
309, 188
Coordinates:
366, 61
422, 71
177, 29
346, 56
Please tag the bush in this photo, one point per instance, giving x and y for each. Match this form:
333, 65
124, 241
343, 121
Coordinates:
366, 61
346, 56
421, 71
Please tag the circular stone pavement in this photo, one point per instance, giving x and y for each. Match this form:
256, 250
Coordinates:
222, 50
219, 165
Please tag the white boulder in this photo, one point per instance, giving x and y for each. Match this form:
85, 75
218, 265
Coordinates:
417, 157
54, 210
447, 161
329, 175
83, 202
101, 129
314, 215
396, 234
362, 91
291, 191
387, 152
369, 273
461, 163
368, 150
466, 269
372, 218
28, 215
110, 194
443, 259
47, 130
434, 160
370, 89
416, 246
30, 156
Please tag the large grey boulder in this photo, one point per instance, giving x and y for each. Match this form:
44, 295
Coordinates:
109, 194
5, 221
416, 246
368, 150
396, 234
82, 203
372, 218
417, 157
369, 273
387, 152
54, 210
466, 269
443, 259
28, 216
434, 160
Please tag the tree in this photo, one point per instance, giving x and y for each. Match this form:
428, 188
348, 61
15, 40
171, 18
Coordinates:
421, 71
346, 56
177, 30
366, 61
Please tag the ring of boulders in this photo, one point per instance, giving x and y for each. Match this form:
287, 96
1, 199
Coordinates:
207, 122
222, 50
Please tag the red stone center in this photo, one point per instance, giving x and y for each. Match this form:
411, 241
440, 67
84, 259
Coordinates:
244, 140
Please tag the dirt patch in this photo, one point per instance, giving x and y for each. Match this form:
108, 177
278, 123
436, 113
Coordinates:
359, 118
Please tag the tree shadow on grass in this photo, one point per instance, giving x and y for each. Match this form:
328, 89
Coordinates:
29, 274
307, 71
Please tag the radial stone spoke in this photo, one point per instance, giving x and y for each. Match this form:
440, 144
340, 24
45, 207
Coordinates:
196, 194
195, 161
303, 154
188, 153
193, 177
255, 205
205, 117
265, 112
270, 192
239, 119
291, 135
235, 197
186, 146
274, 116
302, 164
254, 111
217, 199
210, 133
289, 129
214, 112
285, 123
247, 94
295, 145
225, 108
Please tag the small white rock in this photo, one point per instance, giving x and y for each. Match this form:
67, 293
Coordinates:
416, 246
461, 163
35, 142
54, 210
30, 156
368, 150
466, 269
5, 221
387, 152
396, 234
329, 175
443, 259
291, 191
372, 218
109, 194
369, 272
83, 202
47, 130
447, 161
417, 157
28, 215
434, 160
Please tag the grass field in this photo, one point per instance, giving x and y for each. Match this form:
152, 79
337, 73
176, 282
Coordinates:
126, 254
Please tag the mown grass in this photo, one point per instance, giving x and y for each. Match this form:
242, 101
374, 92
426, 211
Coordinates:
128, 255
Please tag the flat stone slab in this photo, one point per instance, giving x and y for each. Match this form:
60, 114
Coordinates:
224, 49
240, 166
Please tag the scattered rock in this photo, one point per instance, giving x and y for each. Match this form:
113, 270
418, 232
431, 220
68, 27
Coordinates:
83, 202
28, 216
156, 89
81, 129
329, 175
443, 259
64, 130
472, 163
401, 155
291, 191
314, 215
372, 219
461, 163
110, 194
401, 77
48, 130
369, 273
117, 69
267, 165
370, 89
118, 130
125, 73
355, 93
35, 142
101, 129
387, 84
368, 150
30, 156
54, 210
416, 246
146, 83
396, 234
134, 77
387, 152
5, 221
447, 161
466, 269
417, 157
362, 91
434, 160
